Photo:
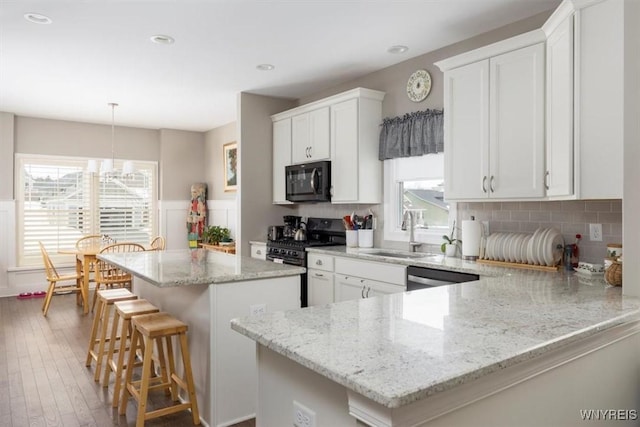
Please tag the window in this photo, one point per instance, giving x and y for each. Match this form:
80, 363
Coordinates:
59, 201
416, 184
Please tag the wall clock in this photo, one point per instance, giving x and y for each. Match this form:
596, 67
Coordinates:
419, 85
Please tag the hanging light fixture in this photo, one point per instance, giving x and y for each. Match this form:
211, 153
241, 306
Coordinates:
108, 165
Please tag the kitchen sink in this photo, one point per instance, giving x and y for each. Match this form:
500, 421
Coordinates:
397, 254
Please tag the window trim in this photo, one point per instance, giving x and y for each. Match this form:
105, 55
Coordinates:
392, 232
23, 261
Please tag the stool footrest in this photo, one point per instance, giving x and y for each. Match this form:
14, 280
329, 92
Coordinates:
166, 411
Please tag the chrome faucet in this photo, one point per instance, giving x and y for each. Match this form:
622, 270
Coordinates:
412, 225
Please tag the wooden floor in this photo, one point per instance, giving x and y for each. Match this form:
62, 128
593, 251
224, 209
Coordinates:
43, 377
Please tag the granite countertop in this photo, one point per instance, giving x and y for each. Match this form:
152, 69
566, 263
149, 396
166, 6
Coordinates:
185, 267
400, 348
421, 259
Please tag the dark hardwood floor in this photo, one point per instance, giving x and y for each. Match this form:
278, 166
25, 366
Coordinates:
43, 377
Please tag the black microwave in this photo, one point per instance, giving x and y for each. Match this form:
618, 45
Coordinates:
308, 182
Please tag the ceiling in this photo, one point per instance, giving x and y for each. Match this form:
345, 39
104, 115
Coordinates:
96, 52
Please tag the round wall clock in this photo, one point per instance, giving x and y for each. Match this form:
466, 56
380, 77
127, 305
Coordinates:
419, 85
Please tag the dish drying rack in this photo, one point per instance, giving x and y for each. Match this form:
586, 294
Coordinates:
541, 250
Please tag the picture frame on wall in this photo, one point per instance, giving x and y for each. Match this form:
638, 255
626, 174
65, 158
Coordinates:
230, 156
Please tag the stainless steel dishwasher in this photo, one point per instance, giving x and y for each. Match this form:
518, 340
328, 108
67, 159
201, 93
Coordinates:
425, 277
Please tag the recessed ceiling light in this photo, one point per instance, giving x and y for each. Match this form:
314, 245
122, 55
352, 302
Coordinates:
162, 39
37, 18
398, 49
265, 67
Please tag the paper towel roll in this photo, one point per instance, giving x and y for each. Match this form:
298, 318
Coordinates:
471, 235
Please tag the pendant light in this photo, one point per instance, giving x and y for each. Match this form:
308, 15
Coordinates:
108, 164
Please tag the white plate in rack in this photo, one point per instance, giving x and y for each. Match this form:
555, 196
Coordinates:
533, 259
512, 247
540, 246
524, 250
517, 248
492, 246
555, 248
488, 249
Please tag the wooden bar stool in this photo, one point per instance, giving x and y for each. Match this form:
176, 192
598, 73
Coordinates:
158, 327
106, 299
124, 310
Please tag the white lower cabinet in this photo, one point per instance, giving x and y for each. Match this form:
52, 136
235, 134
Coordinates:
354, 279
319, 287
352, 287
319, 279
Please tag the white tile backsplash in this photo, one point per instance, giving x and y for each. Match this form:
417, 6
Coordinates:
570, 217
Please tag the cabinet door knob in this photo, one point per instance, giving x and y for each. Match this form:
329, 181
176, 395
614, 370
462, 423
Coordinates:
319, 275
368, 290
318, 262
491, 184
362, 292
484, 184
546, 180
259, 252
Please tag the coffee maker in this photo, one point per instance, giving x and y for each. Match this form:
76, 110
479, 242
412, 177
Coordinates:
291, 225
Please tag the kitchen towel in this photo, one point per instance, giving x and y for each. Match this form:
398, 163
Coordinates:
471, 235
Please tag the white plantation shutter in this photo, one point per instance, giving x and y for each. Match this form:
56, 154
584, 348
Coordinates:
58, 202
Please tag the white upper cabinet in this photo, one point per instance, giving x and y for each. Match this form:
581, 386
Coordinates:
281, 158
310, 136
516, 124
494, 121
466, 136
345, 129
559, 117
585, 85
599, 100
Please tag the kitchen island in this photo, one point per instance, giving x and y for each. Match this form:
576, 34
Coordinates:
206, 289
516, 347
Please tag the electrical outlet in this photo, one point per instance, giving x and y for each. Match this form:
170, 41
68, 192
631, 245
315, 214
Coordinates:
257, 309
595, 232
303, 416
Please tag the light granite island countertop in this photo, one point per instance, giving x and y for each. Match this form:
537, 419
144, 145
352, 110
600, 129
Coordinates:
397, 351
183, 267
206, 289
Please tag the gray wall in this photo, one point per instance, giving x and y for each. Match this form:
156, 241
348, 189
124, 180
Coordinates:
214, 141
255, 198
182, 163
393, 80
66, 138
180, 154
631, 205
6, 156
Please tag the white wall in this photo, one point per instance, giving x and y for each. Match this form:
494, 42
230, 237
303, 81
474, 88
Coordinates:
6, 155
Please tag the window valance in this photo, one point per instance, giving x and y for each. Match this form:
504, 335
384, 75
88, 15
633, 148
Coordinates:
413, 134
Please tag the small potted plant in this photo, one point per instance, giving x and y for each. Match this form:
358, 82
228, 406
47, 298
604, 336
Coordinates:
450, 244
214, 234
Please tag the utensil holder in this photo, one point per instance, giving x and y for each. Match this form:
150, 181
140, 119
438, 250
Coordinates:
365, 238
352, 238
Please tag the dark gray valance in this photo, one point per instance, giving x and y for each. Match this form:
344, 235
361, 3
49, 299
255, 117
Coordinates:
413, 134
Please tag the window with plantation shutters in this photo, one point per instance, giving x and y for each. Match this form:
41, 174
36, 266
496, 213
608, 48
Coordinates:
58, 201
